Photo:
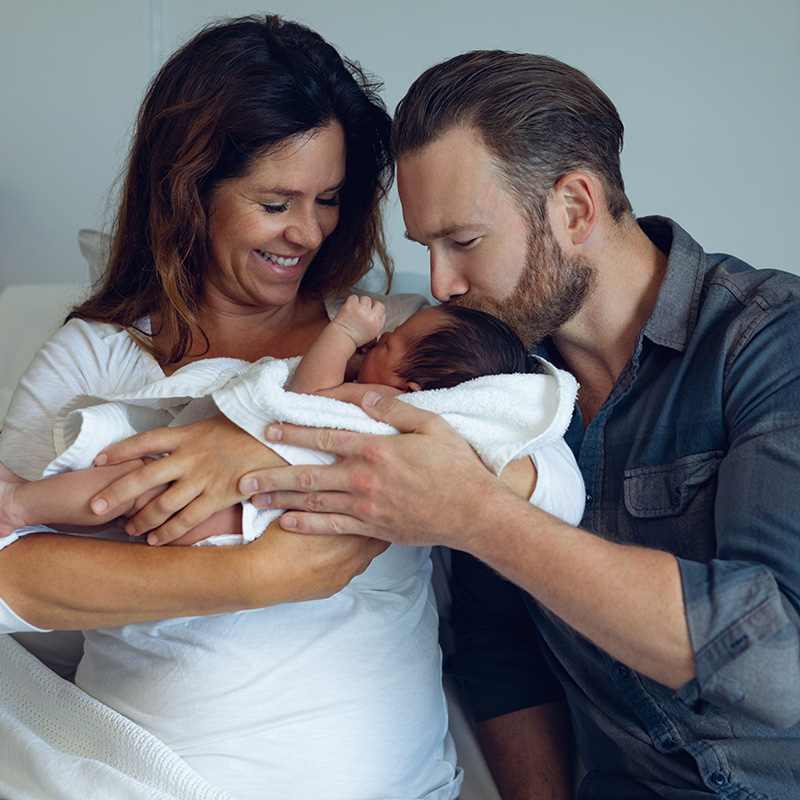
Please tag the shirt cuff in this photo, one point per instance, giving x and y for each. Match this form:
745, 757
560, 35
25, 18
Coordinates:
744, 634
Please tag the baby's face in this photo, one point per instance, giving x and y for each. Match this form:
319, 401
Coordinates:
381, 363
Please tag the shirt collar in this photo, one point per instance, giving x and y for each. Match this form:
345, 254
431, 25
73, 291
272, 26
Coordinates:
674, 315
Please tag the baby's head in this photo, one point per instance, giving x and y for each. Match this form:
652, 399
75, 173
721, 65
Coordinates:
443, 346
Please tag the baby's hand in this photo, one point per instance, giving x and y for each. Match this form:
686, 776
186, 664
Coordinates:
362, 318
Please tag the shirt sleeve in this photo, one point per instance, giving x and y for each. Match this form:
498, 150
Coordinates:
559, 489
74, 360
742, 606
497, 661
11, 622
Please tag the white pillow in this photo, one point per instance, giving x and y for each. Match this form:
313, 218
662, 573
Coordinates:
29, 313
96, 249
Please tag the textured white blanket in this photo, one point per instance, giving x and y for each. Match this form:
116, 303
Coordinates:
58, 743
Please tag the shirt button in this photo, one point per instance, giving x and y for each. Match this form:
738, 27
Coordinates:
622, 671
588, 499
676, 497
670, 744
718, 779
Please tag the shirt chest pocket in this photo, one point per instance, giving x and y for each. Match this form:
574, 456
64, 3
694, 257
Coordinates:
669, 504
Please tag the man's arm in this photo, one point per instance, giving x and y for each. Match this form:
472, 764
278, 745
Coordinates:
530, 752
428, 487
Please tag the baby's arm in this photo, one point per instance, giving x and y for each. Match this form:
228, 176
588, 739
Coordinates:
357, 322
60, 500
520, 476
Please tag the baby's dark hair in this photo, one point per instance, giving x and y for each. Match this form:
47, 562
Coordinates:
470, 344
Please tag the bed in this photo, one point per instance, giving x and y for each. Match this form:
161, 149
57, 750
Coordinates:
87, 749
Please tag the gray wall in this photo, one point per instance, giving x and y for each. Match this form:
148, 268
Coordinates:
708, 90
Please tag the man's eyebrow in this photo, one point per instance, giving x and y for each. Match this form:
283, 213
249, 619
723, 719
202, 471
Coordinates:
448, 230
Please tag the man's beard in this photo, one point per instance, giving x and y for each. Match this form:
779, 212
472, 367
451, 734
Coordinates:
550, 291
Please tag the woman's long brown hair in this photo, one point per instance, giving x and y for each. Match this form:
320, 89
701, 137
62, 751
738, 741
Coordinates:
230, 95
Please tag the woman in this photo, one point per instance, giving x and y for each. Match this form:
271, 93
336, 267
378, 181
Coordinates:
251, 202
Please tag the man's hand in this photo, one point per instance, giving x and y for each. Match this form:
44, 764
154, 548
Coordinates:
204, 462
424, 486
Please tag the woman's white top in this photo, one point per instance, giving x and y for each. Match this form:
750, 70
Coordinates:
336, 698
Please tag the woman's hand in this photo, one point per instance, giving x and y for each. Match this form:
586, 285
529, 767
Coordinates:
203, 463
10, 517
283, 567
424, 486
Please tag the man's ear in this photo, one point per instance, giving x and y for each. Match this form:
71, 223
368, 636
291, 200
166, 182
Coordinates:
575, 207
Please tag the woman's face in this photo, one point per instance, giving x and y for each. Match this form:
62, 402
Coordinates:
266, 226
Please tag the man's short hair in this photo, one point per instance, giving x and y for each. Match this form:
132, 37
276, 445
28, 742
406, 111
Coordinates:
540, 118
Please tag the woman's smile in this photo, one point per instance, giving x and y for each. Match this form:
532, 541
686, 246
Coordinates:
266, 227
279, 260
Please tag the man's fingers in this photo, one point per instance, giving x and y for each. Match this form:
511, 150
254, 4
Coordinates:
301, 478
327, 440
402, 416
317, 502
322, 524
406, 418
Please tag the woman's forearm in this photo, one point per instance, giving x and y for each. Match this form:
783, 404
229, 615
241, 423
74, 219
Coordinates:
70, 583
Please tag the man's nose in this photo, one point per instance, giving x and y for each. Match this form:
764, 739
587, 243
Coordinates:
446, 280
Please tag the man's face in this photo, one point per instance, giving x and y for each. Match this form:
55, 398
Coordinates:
485, 252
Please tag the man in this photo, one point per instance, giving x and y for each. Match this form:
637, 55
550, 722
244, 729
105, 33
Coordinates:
671, 618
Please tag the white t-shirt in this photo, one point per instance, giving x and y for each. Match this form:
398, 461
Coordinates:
337, 698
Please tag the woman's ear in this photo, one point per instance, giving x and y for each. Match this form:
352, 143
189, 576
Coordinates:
575, 207
412, 386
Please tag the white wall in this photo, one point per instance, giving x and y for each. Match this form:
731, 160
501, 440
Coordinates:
708, 92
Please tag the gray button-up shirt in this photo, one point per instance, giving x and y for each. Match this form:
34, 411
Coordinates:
696, 452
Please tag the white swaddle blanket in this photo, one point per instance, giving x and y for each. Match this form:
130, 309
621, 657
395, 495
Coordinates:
502, 416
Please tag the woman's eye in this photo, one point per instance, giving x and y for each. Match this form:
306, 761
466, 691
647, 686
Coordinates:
328, 201
276, 209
